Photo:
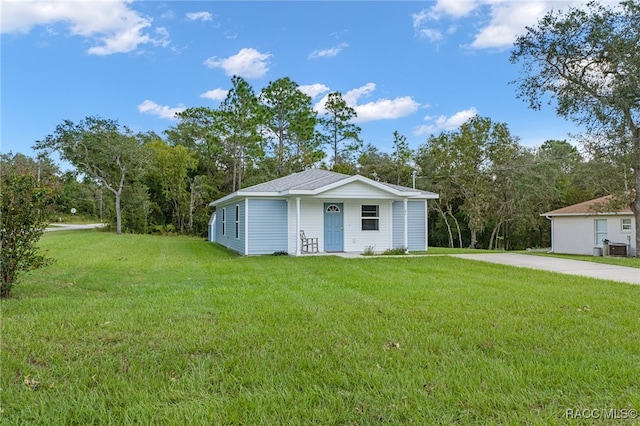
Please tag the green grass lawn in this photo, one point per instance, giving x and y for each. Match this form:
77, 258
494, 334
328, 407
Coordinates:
171, 330
632, 262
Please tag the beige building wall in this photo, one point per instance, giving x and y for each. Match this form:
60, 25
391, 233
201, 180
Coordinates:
577, 234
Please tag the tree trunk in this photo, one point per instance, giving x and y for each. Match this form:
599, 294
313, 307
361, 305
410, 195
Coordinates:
191, 203
494, 233
474, 238
118, 213
446, 222
457, 227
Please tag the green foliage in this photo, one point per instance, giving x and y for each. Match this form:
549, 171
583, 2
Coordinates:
102, 149
474, 171
23, 203
168, 171
401, 156
289, 121
237, 123
395, 251
342, 136
587, 60
369, 251
376, 165
161, 230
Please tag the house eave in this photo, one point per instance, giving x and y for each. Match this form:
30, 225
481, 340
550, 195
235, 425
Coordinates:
392, 192
552, 215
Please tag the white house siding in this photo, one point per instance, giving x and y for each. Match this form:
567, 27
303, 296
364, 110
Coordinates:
398, 224
576, 234
356, 190
417, 217
229, 240
417, 228
267, 226
311, 221
355, 239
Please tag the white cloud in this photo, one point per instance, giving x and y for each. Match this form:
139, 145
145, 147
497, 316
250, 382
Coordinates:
508, 19
203, 16
446, 123
381, 109
430, 34
161, 111
386, 109
328, 53
112, 25
248, 63
454, 8
218, 94
498, 24
313, 90
352, 96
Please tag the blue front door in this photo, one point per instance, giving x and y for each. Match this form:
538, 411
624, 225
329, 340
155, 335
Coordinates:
333, 227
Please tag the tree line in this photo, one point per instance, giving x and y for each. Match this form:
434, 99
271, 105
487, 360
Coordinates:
492, 189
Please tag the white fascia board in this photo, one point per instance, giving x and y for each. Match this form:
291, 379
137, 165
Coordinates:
429, 196
587, 214
223, 200
243, 194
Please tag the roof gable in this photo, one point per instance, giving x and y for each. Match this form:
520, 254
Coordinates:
591, 207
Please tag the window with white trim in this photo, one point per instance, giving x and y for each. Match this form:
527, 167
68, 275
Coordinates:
625, 225
370, 217
237, 221
224, 221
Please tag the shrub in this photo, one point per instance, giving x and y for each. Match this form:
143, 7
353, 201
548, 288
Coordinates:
395, 251
369, 251
23, 201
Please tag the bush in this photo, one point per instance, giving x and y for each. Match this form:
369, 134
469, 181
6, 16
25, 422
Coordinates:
369, 251
395, 251
23, 201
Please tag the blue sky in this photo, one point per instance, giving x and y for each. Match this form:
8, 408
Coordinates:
415, 67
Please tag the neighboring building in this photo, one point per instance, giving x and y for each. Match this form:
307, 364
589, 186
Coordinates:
345, 213
580, 228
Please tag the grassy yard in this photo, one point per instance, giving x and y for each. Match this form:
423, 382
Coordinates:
632, 262
169, 330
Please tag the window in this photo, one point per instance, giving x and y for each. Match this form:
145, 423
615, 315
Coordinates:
370, 218
224, 221
601, 231
625, 225
237, 221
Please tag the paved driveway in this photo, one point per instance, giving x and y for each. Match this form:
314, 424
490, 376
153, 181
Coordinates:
564, 266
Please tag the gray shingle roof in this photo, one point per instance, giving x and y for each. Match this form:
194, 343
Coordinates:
307, 180
310, 180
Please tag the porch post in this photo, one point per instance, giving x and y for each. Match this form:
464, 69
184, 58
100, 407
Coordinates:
406, 225
297, 226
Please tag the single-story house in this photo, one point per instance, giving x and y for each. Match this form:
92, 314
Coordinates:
338, 212
583, 227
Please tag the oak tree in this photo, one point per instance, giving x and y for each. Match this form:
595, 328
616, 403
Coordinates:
588, 61
102, 149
